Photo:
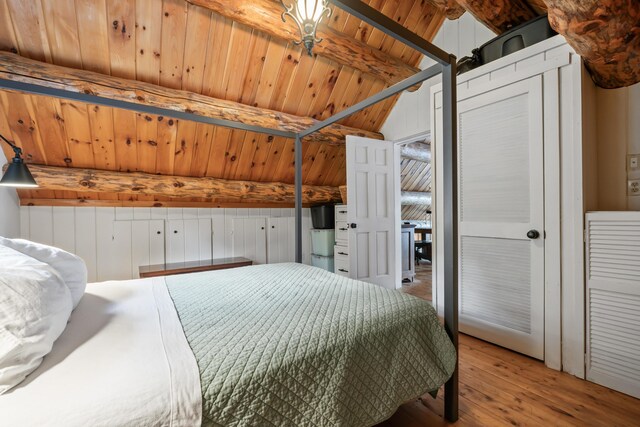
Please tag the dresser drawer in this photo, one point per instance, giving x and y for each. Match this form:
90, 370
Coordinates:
341, 213
340, 251
342, 265
342, 231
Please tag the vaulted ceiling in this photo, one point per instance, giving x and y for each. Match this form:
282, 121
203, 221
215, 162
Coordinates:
237, 53
175, 44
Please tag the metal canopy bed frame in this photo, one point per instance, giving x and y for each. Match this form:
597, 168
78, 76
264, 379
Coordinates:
445, 64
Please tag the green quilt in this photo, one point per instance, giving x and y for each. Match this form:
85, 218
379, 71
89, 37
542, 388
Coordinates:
293, 345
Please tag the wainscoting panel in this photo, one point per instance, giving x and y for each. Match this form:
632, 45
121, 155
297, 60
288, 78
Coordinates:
114, 242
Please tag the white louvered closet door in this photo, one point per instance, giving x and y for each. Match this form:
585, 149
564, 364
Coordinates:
501, 200
613, 300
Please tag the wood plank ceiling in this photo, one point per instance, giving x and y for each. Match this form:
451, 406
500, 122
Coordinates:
175, 44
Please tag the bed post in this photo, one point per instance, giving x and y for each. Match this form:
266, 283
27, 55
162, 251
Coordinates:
450, 162
298, 185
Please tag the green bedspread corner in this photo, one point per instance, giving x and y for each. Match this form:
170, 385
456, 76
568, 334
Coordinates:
292, 345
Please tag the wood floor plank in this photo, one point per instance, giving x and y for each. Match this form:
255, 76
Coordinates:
501, 388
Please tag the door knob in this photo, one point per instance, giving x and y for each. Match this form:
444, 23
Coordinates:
354, 225
533, 234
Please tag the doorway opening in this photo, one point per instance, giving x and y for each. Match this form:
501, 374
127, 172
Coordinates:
416, 215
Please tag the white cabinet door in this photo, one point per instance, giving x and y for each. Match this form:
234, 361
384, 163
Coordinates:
373, 191
613, 300
281, 240
250, 239
501, 208
188, 240
113, 246
147, 244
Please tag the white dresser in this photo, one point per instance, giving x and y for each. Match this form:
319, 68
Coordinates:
341, 249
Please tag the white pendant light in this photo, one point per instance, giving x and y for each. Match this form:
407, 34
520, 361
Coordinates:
307, 14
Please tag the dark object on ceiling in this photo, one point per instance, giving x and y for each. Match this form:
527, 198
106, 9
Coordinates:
518, 38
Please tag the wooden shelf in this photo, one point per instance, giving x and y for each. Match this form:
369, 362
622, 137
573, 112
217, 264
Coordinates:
192, 266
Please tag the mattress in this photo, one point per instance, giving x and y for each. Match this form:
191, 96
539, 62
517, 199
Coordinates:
122, 361
272, 345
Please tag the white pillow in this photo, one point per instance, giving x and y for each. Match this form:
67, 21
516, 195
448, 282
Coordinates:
35, 305
71, 267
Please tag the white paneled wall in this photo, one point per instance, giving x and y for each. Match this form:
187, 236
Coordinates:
410, 116
114, 242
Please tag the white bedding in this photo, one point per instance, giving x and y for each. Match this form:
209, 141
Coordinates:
123, 360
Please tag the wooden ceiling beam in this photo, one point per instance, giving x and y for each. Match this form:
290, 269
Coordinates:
138, 183
151, 203
18, 69
451, 8
412, 198
266, 16
500, 15
606, 34
418, 151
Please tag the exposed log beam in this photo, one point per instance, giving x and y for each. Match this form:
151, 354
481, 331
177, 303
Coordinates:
98, 181
539, 6
266, 16
18, 69
605, 33
500, 15
415, 198
149, 204
417, 151
451, 8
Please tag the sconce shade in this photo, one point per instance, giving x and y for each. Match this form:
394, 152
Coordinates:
18, 175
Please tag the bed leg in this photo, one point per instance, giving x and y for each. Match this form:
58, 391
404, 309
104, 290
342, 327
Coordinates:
450, 181
298, 191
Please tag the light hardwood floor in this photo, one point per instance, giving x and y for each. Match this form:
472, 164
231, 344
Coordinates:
421, 285
501, 388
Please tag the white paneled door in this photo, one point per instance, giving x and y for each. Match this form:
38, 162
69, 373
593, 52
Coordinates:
373, 193
501, 208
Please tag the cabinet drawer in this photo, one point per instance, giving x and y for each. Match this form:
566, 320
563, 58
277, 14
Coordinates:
341, 212
340, 251
342, 231
342, 266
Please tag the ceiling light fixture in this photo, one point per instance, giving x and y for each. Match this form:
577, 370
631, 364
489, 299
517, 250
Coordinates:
17, 174
307, 14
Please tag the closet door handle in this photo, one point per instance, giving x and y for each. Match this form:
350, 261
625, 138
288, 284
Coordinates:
343, 270
533, 234
342, 253
343, 229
